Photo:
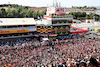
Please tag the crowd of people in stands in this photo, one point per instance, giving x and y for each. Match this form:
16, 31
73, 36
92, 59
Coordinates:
64, 53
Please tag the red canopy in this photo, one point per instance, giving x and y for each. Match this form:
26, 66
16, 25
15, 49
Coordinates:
82, 30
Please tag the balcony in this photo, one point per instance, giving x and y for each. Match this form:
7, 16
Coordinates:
31, 28
62, 16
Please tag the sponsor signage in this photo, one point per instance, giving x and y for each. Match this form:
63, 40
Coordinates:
60, 30
55, 10
51, 10
13, 31
47, 16
59, 10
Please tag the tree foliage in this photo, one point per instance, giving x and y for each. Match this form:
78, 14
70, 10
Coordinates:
83, 15
91, 15
76, 15
84, 7
20, 12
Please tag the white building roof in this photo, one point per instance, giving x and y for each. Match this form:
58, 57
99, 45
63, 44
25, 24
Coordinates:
43, 22
74, 20
16, 21
39, 22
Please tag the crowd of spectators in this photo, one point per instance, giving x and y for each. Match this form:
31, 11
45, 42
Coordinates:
64, 53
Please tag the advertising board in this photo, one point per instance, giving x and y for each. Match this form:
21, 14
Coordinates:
13, 31
55, 10
43, 29
59, 10
61, 30
51, 10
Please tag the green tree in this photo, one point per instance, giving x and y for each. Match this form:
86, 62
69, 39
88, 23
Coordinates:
17, 13
96, 17
85, 7
78, 15
93, 7
79, 7
35, 14
29, 13
13, 5
83, 14
73, 7
21, 12
11, 13
90, 16
38, 13
43, 12
3, 13
74, 14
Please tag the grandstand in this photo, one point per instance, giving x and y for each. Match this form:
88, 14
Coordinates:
17, 27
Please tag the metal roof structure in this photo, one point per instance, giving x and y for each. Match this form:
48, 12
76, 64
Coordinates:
17, 21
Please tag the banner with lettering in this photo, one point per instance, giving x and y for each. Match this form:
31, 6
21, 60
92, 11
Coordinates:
13, 31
